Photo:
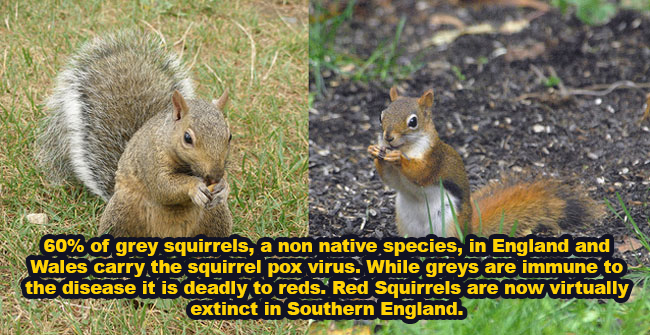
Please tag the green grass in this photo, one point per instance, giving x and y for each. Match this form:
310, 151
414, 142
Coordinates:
323, 29
550, 316
382, 63
543, 316
267, 167
540, 316
552, 81
458, 73
597, 12
325, 24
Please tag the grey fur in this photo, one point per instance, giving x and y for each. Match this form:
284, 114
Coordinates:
117, 122
118, 82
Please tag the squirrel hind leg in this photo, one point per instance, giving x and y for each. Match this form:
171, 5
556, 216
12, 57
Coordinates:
215, 221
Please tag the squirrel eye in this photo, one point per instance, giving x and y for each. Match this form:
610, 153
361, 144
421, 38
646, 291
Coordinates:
413, 122
230, 137
188, 138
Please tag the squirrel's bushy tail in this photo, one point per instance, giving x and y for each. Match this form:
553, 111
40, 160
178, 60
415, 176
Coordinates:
109, 88
543, 204
52, 147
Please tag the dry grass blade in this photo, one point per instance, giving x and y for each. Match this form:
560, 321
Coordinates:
253, 50
275, 57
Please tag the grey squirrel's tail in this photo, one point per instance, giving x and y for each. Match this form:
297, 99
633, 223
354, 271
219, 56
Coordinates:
110, 87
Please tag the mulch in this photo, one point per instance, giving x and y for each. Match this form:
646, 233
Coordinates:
494, 105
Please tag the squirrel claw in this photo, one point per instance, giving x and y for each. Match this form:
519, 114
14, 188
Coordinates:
200, 195
220, 193
377, 152
373, 150
393, 156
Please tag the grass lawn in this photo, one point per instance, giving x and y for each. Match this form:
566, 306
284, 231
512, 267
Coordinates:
255, 49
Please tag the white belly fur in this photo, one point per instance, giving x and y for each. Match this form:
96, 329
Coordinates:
411, 206
413, 216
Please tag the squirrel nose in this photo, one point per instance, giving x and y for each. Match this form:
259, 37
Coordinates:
388, 137
214, 178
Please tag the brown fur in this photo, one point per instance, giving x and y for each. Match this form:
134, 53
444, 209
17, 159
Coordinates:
158, 174
535, 205
131, 213
541, 204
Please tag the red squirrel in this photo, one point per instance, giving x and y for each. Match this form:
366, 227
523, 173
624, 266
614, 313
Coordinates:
411, 158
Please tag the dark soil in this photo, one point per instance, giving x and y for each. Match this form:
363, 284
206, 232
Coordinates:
594, 141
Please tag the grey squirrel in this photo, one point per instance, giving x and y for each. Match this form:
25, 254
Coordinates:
123, 98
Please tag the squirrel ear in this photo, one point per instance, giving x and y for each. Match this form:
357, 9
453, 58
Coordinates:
426, 100
393, 93
222, 101
180, 106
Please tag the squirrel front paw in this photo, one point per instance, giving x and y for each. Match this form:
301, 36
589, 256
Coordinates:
393, 156
200, 195
219, 192
377, 152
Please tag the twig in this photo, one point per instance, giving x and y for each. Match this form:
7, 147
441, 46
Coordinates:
441, 19
607, 89
593, 90
538, 5
542, 78
535, 15
253, 51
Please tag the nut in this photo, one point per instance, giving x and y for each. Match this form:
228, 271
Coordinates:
212, 186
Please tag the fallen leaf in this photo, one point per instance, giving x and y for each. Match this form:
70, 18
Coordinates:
525, 52
37, 218
348, 67
629, 244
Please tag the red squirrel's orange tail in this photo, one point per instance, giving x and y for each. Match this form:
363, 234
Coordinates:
539, 205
